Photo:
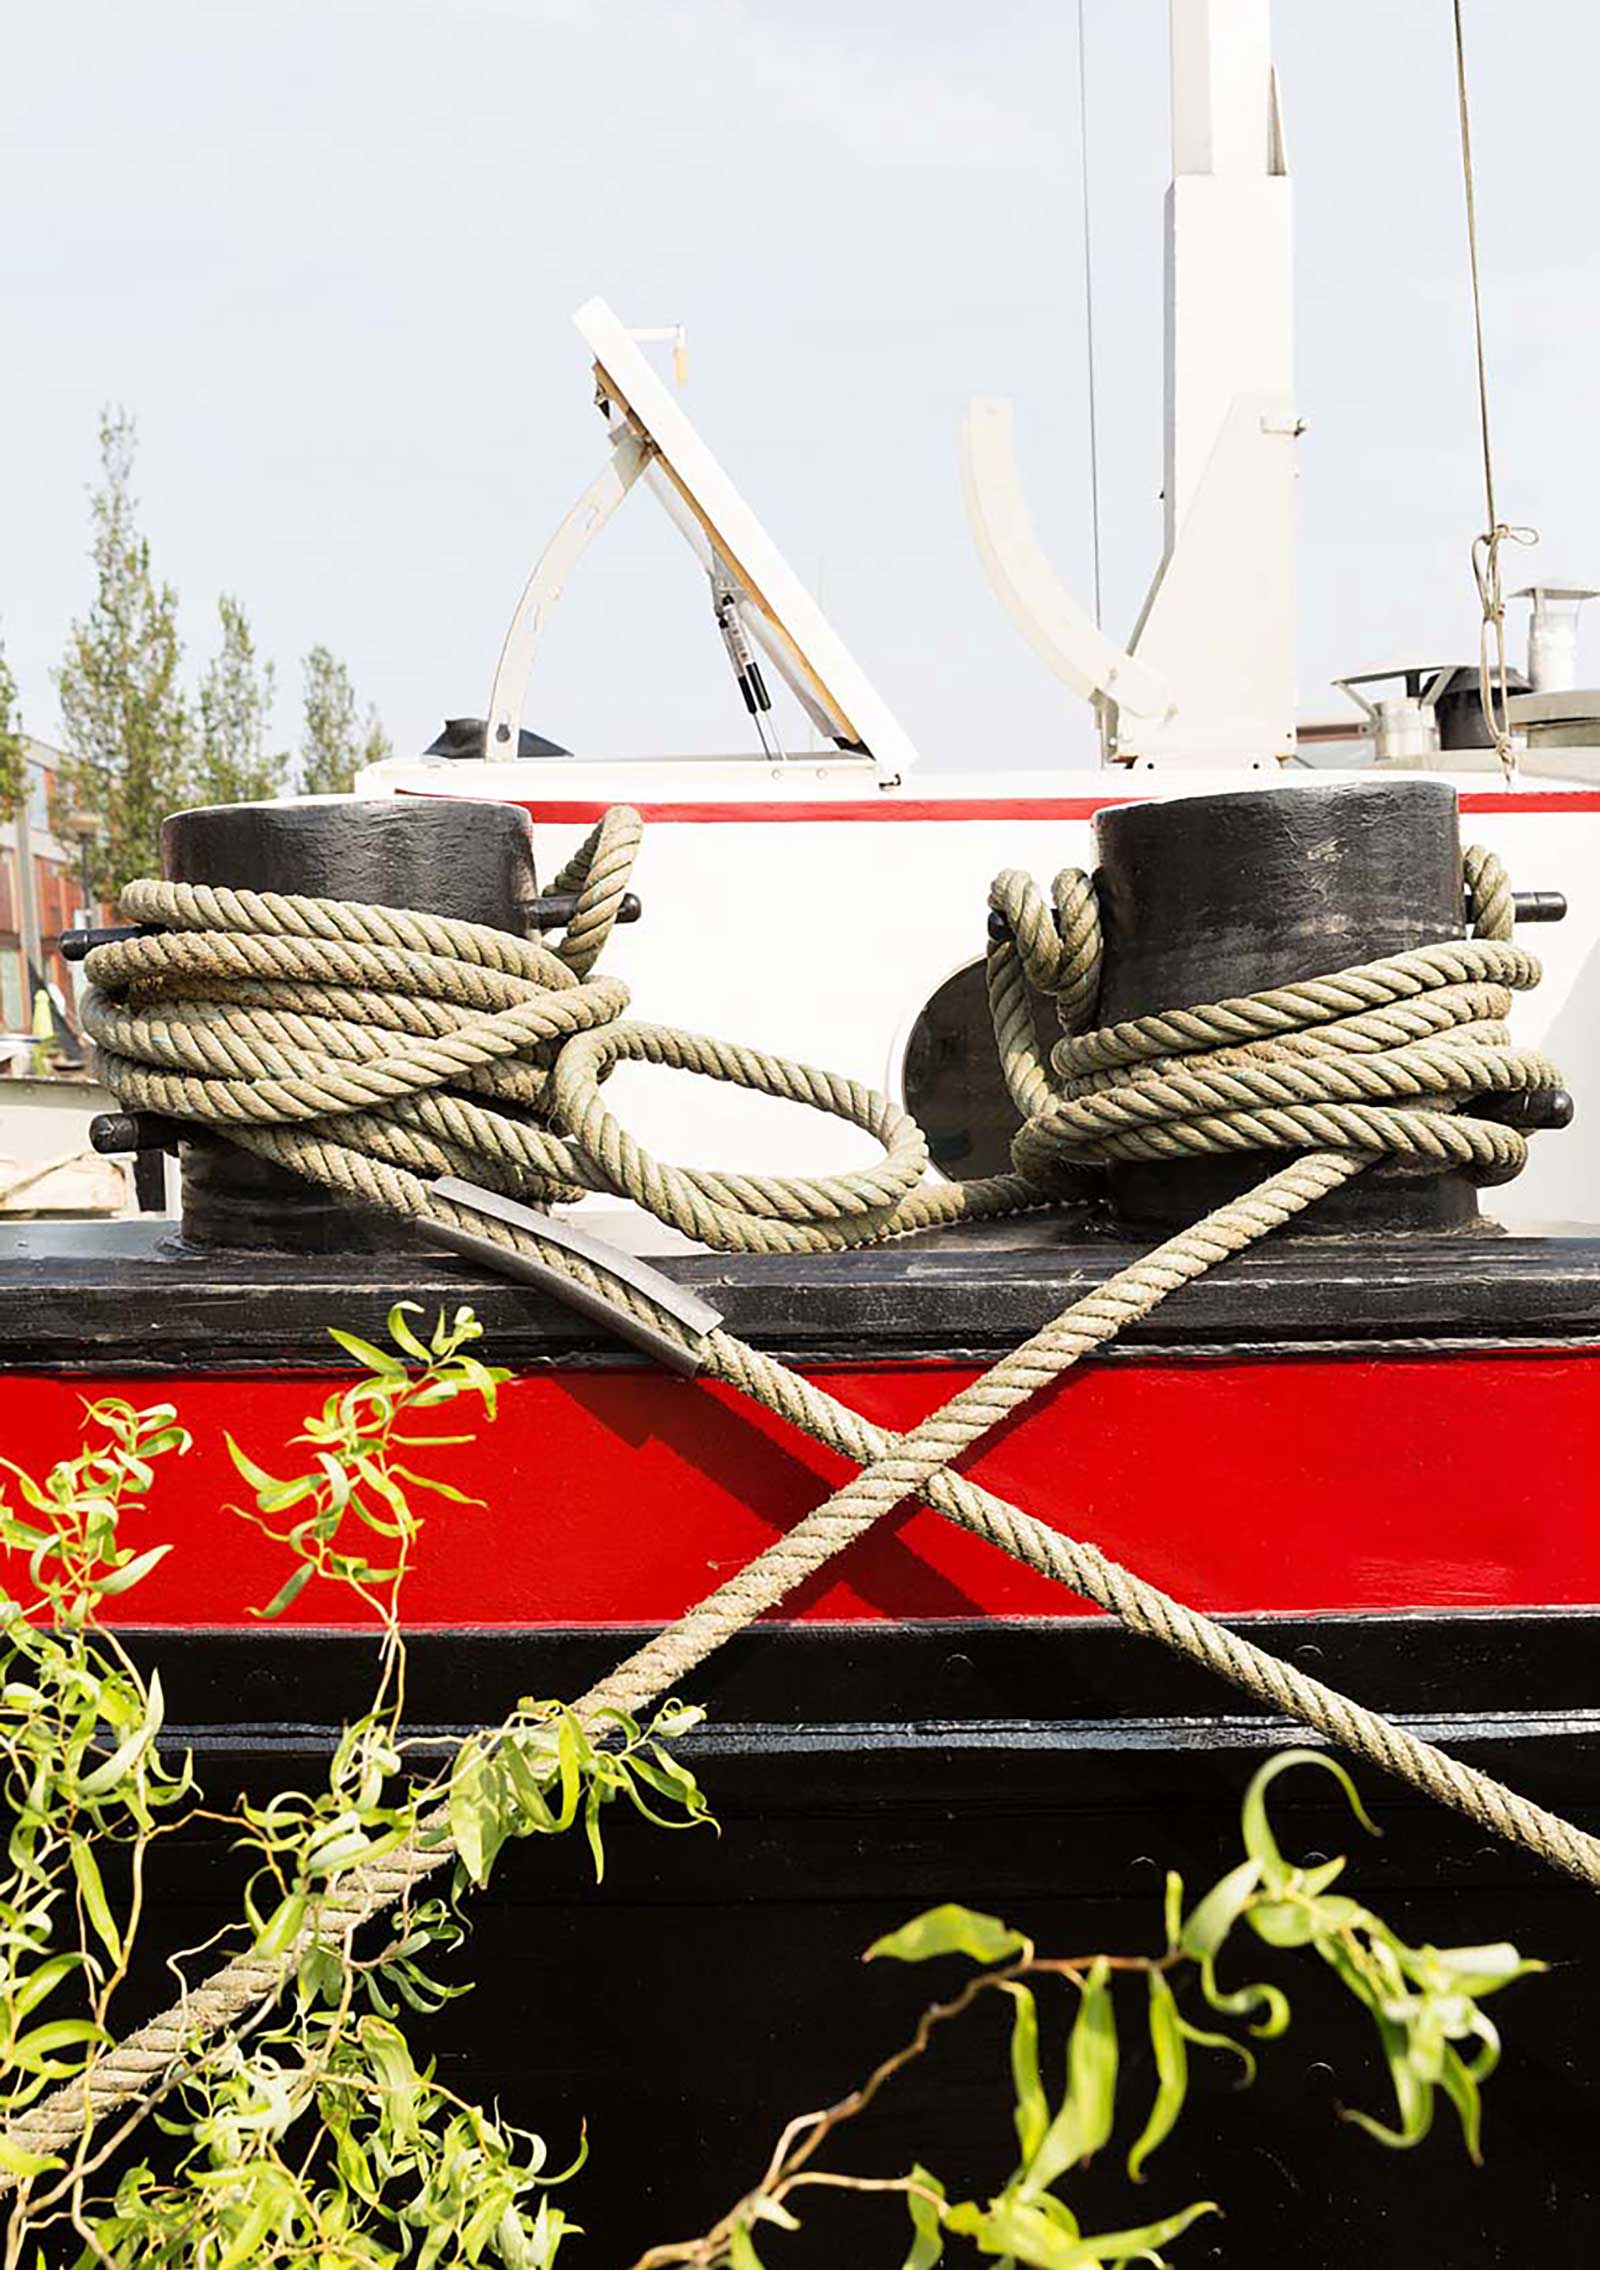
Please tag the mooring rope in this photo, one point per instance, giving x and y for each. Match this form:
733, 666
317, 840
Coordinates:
337, 1039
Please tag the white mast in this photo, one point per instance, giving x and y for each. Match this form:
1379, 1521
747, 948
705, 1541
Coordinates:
1219, 624
1215, 641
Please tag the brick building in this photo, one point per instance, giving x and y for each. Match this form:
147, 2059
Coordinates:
58, 894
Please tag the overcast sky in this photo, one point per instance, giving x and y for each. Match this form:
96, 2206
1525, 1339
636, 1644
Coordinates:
325, 251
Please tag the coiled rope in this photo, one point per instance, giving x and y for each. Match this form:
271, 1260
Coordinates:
1379, 1061
367, 1047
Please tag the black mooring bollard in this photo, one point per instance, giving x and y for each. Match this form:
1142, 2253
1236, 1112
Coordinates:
1207, 896
440, 855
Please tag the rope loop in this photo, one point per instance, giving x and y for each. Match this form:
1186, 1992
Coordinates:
598, 872
739, 1212
1494, 688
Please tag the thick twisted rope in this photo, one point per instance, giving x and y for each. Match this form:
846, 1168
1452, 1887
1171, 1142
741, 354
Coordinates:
1211, 1070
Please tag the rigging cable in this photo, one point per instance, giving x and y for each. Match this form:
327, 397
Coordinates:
1088, 315
1485, 548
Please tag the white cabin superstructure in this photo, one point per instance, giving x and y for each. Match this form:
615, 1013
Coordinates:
818, 903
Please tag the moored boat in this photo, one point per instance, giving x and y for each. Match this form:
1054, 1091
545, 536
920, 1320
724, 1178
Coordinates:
1367, 1444
1371, 1450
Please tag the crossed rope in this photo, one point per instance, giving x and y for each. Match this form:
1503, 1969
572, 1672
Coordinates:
368, 1048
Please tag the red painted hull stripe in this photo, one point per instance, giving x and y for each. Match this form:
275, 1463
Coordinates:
557, 812
621, 1496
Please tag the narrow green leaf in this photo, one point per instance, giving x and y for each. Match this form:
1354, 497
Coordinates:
1284, 1923
527, 1788
1083, 2122
675, 1719
19, 2162
287, 1593
371, 1359
949, 1930
742, 2249
396, 2073
37, 2052
167, 1438
1092, 2061
1267, 2007
335, 1480
39, 1985
1173, 1909
257, 1476
1032, 2111
320, 1977
253, 2228
591, 1829
1009, 2226
1172, 2075
569, 1750
637, 1776
110, 1771
1200, 2039
1460, 2086
430, 1482
1259, 1841
660, 1771
134, 1572
1488, 2057
1472, 1970
282, 1927
1208, 1926
92, 1891
22, 1535
1413, 2095
466, 1805
927, 2227
279, 1496
400, 1331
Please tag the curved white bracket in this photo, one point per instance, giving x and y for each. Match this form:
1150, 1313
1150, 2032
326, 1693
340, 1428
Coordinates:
1061, 633
628, 459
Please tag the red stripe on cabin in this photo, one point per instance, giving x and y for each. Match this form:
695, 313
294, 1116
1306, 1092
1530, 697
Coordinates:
564, 813
561, 812
1554, 800
620, 1496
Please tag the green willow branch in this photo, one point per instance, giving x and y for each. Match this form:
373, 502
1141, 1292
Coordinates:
1424, 2002
310, 2135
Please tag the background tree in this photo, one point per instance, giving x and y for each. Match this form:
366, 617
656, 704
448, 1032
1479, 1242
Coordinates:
377, 744
235, 764
332, 746
126, 722
13, 759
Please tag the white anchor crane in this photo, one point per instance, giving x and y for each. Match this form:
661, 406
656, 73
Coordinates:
1208, 674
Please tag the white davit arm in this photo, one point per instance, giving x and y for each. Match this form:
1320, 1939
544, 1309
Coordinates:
1060, 632
583, 523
